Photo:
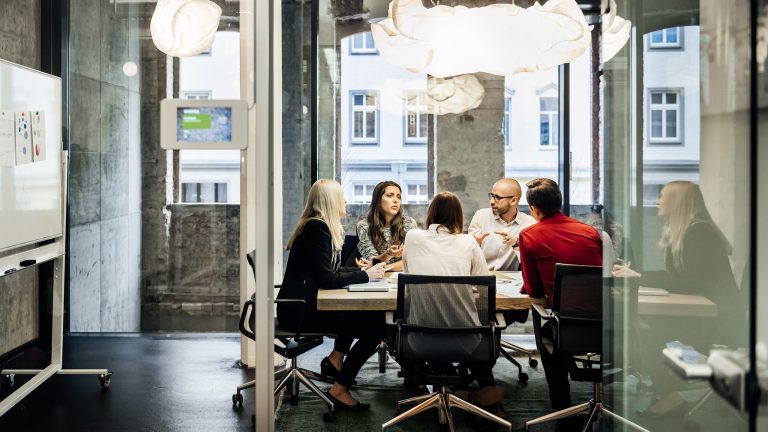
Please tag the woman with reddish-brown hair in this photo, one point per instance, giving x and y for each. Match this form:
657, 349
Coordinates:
443, 249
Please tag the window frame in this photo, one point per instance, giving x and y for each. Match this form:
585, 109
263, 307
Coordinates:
207, 93
365, 50
664, 44
364, 141
199, 192
553, 116
505, 127
423, 187
421, 109
664, 140
366, 193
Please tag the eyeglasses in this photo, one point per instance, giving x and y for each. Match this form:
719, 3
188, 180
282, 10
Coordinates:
495, 197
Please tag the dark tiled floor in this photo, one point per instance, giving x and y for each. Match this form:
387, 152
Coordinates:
185, 383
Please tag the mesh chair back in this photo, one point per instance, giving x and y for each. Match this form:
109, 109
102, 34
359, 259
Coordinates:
446, 318
578, 299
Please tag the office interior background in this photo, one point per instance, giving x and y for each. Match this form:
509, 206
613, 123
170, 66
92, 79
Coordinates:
154, 236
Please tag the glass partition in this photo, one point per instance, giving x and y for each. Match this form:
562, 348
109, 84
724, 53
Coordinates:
677, 182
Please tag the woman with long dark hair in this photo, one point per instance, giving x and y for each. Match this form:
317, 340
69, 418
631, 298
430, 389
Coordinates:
382, 232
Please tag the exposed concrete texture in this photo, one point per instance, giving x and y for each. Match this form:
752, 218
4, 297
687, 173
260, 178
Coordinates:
202, 289
104, 176
20, 32
85, 277
296, 129
473, 172
19, 299
19, 43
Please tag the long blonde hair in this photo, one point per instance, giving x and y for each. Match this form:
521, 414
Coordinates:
324, 202
684, 207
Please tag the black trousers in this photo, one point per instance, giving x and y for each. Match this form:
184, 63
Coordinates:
366, 327
555, 368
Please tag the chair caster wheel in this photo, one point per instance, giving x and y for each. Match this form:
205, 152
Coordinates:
237, 399
533, 362
10, 380
105, 380
329, 417
522, 377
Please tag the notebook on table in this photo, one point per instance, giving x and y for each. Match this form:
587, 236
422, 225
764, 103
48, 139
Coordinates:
376, 285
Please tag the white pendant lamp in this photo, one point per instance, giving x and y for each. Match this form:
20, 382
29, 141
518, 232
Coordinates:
184, 28
615, 33
454, 95
501, 39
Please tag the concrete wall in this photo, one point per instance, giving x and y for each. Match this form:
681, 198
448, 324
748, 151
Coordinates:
19, 43
201, 292
105, 224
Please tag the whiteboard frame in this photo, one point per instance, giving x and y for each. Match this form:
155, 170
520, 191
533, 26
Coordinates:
53, 219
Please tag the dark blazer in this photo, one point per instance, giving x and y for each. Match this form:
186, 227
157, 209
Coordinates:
706, 269
309, 269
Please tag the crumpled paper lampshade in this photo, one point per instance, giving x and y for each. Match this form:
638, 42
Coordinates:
501, 39
615, 33
184, 28
454, 95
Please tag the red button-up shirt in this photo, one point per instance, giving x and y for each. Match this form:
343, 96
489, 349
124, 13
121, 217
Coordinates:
557, 238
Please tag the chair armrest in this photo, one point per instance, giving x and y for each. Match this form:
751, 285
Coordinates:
501, 323
544, 313
243, 316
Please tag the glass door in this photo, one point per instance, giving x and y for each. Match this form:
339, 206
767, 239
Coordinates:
677, 204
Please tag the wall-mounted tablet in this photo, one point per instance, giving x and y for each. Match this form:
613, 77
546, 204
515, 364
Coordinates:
203, 124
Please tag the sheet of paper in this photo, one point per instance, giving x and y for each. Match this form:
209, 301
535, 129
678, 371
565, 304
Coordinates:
23, 138
372, 286
510, 288
7, 141
652, 291
38, 135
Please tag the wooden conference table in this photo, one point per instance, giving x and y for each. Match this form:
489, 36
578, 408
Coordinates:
508, 296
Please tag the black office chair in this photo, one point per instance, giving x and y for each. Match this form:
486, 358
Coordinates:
439, 355
292, 345
577, 309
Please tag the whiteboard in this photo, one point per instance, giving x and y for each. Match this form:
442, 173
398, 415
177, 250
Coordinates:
30, 156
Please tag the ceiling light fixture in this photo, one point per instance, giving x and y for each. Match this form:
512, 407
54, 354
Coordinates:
615, 32
501, 39
184, 28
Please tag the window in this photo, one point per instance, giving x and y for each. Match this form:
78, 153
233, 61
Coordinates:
651, 194
197, 94
361, 193
505, 123
204, 192
364, 113
548, 126
362, 43
665, 116
667, 38
416, 118
416, 194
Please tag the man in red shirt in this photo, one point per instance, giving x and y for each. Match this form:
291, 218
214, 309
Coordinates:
556, 238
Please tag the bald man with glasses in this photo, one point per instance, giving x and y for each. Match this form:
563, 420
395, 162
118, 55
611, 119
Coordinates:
496, 228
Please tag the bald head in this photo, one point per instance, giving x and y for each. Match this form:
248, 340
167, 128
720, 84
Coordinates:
505, 196
508, 186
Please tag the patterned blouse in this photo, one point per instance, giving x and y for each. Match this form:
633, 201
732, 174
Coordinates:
366, 247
